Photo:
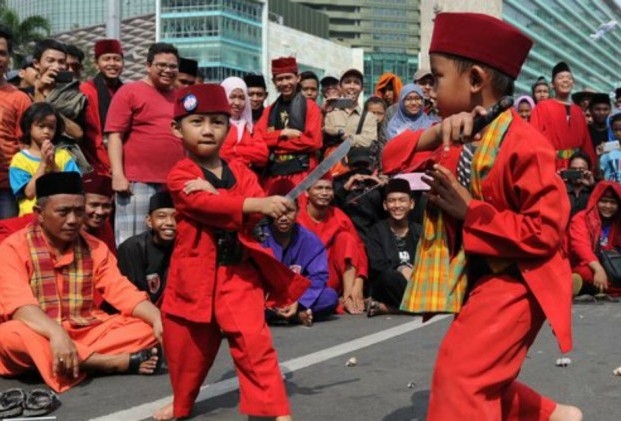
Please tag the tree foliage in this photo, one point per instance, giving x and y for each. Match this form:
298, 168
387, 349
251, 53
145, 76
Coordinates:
25, 32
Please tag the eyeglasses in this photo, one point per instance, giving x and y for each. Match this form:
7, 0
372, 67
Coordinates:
164, 66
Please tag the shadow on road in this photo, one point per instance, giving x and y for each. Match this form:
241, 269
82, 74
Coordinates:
416, 412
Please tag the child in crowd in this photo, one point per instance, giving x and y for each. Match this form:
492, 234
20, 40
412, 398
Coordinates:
41, 126
609, 161
215, 284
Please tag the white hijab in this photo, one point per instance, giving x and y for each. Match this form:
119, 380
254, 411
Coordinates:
230, 84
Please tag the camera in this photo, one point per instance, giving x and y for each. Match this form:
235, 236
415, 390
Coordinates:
64, 77
572, 175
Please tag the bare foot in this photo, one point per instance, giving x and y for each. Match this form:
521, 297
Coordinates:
284, 418
165, 413
566, 413
350, 306
306, 317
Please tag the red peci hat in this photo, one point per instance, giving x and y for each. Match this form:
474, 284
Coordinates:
481, 38
98, 184
206, 98
108, 46
284, 65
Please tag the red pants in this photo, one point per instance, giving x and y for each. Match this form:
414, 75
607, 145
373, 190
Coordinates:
482, 354
344, 249
191, 348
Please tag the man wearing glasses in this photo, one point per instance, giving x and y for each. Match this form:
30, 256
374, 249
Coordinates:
141, 146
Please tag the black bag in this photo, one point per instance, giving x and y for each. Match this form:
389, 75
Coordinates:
611, 261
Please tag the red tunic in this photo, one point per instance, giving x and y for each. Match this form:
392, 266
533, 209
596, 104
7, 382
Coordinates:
94, 148
524, 217
341, 239
585, 231
309, 142
248, 150
550, 118
192, 275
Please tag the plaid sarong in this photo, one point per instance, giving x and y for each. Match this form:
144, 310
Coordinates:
439, 280
76, 300
130, 211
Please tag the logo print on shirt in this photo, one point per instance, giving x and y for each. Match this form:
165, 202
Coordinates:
154, 283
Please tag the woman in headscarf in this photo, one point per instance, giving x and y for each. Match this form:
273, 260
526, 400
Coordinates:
596, 228
388, 88
239, 143
410, 115
524, 106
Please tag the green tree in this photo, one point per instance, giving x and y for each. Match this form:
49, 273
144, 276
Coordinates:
25, 32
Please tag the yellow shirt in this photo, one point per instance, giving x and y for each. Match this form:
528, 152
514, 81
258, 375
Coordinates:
24, 166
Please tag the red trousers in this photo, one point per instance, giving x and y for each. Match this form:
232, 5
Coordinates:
482, 354
191, 348
344, 249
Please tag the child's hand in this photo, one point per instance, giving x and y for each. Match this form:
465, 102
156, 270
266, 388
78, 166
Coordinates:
458, 127
47, 153
199, 184
276, 206
290, 133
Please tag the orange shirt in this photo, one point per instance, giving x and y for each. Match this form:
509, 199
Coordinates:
13, 103
17, 269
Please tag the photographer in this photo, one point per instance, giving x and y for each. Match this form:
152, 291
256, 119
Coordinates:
358, 192
579, 181
56, 86
348, 119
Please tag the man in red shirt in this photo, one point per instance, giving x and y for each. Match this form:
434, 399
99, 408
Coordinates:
347, 258
141, 147
13, 103
562, 122
99, 92
291, 127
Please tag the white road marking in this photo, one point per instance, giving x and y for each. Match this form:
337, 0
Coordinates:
210, 391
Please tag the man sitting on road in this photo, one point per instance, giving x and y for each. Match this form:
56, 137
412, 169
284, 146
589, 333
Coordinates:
304, 253
144, 258
48, 320
347, 259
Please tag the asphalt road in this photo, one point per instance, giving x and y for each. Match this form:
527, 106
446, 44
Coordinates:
395, 357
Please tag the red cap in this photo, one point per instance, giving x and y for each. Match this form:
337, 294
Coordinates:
481, 38
108, 46
98, 184
206, 98
284, 65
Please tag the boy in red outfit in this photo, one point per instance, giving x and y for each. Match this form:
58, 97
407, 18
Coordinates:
213, 273
511, 212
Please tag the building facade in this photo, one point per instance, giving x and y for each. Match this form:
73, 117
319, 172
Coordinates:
387, 31
68, 15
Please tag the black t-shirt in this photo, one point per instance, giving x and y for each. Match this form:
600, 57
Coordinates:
145, 263
598, 136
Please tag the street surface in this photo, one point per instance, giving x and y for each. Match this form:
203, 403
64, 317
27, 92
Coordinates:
390, 381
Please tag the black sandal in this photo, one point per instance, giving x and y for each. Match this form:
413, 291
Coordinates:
137, 358
40, 402
373, 308
12, 402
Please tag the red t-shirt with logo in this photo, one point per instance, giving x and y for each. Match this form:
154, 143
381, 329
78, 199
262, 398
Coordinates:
143, 114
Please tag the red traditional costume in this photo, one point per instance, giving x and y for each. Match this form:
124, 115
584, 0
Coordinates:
568, 134
290, 159
64, 288
585, 232
511, 240
248, 150
215, 289
94, 149
342, 242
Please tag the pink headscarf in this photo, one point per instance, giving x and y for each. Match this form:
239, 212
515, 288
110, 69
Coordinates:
230, 84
